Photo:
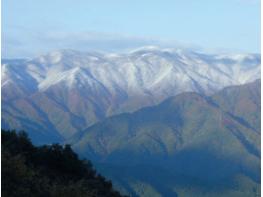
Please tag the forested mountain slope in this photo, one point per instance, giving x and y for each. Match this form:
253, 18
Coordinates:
196, 145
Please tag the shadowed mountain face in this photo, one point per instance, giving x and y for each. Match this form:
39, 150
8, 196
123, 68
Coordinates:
188, 145
56, 95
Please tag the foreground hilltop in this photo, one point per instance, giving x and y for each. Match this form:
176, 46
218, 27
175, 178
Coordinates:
52, 171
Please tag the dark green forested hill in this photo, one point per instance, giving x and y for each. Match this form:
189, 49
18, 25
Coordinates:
50, 170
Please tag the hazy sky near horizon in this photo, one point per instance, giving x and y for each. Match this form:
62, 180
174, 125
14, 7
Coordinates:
31, 27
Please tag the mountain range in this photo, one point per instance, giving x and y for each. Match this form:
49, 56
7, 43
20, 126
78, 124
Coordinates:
54, 96
188, 145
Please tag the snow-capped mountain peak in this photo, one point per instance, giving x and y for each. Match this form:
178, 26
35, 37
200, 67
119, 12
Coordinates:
84, 87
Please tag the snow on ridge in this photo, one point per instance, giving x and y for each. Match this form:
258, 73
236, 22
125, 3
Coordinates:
149, 68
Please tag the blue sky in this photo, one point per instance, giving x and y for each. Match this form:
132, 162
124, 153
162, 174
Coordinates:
31, 27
